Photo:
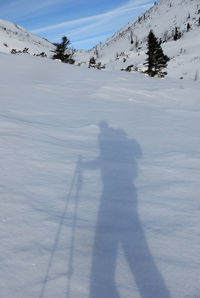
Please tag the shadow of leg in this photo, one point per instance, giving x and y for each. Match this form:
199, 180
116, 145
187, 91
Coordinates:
102, 283
146, 274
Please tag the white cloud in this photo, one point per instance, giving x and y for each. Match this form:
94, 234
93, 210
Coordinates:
23, 8
96, 28
30, 14
92, 40
105, 17
92, 28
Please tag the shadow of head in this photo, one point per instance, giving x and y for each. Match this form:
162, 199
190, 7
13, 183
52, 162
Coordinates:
118, 153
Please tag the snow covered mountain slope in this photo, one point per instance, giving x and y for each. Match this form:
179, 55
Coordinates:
128, 46
14, 37
99, 183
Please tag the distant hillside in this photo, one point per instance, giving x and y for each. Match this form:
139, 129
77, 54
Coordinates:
128, 46
14, 37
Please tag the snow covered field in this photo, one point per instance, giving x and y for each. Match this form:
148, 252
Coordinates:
99, 183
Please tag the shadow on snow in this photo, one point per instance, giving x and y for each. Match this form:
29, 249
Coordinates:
118, 222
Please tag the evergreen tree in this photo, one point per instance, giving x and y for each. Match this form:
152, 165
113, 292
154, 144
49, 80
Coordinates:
92, 62
177, 34
131, 37
188, 27
156, 60
60, 51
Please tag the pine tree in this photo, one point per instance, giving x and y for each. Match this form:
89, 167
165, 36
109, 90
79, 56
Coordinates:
156, 60
188, 27
177, 34
131, 37
60, 51
92, 62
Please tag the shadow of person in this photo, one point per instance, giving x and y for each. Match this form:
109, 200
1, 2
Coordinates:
118, 220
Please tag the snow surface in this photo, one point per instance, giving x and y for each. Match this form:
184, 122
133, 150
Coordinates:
99, 183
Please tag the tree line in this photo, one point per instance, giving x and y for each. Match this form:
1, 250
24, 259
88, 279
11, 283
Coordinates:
156, 60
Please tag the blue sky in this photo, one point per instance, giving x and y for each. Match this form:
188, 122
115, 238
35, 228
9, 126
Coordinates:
84, 22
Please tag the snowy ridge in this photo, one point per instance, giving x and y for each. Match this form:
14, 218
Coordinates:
13, 36
128, 46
